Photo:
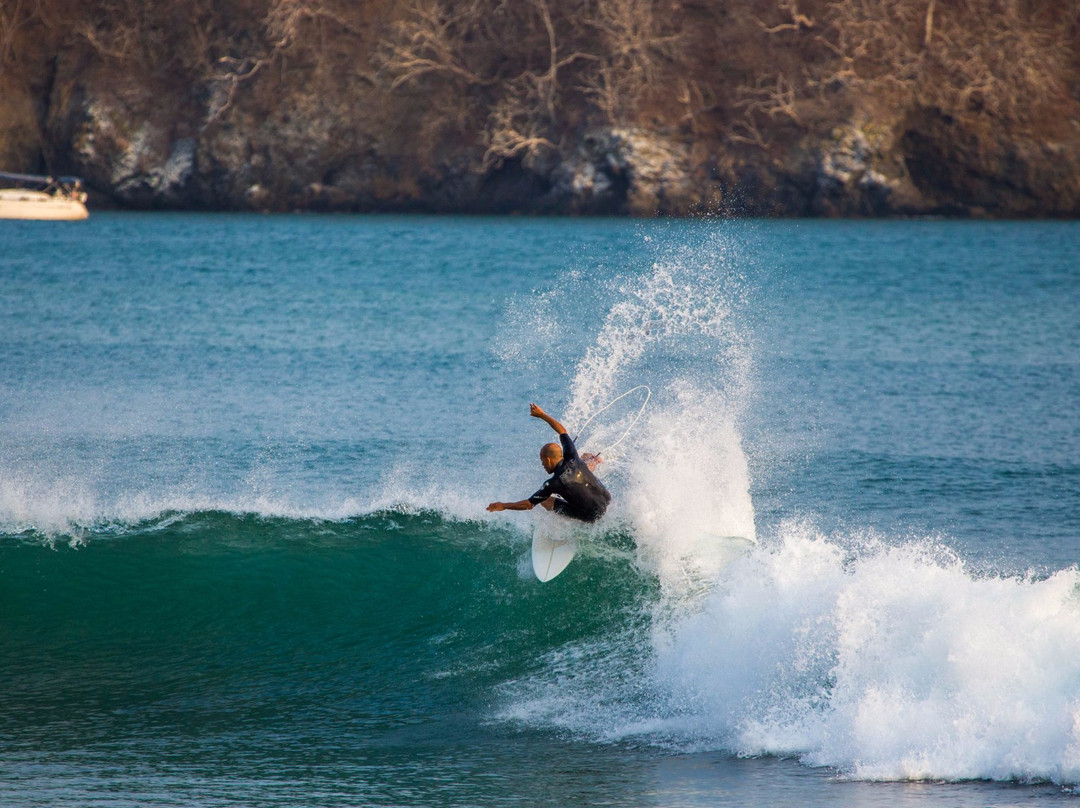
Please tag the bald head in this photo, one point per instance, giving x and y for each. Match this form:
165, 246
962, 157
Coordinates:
551, 456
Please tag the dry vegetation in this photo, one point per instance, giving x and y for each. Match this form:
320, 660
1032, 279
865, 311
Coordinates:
1008, 59
479, 84
523, 74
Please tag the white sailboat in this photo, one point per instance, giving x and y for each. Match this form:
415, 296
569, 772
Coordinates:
43, 198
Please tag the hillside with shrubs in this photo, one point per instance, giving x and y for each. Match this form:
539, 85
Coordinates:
640, 107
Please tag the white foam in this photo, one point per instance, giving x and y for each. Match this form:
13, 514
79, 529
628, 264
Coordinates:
894, 662
689, 488
684, 481
73, 507
883, 662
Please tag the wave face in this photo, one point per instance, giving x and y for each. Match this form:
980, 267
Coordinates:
218, 617
879, 661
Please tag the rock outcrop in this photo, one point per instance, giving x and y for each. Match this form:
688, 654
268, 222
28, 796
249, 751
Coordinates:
609, 107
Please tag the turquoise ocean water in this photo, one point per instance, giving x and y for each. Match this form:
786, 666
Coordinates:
245, 561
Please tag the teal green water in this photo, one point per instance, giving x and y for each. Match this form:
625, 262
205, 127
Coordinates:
244, 556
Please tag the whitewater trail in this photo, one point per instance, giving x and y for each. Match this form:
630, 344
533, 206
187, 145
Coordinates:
883, 662
685, 480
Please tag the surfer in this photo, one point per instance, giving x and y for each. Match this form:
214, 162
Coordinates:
572, 490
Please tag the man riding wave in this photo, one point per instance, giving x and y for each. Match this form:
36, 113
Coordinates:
572, 490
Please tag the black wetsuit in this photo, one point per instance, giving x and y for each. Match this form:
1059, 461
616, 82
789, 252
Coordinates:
578, 494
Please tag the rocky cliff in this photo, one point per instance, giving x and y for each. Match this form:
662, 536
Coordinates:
643, 107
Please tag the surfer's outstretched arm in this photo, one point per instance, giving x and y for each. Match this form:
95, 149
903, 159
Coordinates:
536, 412
523, 505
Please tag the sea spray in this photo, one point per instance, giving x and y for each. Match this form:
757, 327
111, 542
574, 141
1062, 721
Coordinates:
879, 661
681, 479
883, 662
684, 481
688, 497
673, 321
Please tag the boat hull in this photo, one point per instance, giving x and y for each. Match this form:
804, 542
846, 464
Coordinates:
40, 206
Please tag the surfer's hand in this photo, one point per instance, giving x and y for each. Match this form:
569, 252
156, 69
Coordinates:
535, 411
496, 506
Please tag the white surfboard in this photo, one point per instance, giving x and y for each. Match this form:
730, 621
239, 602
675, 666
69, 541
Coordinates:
552, 551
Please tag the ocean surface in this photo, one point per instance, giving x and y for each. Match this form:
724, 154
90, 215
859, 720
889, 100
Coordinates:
245, 558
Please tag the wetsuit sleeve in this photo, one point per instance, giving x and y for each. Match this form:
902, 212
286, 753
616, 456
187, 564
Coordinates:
569, 450
546, 490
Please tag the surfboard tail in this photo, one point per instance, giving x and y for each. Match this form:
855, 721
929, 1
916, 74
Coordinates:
551, 553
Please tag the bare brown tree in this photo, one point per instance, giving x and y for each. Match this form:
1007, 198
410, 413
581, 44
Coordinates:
13, 16
634, 47
981, 57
